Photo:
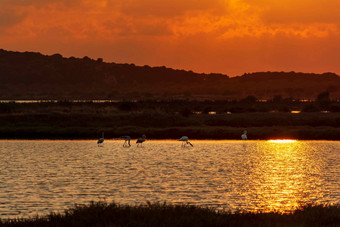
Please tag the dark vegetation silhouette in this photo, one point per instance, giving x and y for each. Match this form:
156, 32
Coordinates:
169, 119
160, 102
31, 75
162, 214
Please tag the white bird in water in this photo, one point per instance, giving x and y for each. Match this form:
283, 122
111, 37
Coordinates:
101, 140
127, 141
244, 135
141, 140
185, 141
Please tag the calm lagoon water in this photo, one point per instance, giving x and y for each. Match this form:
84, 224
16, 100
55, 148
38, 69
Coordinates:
38, 177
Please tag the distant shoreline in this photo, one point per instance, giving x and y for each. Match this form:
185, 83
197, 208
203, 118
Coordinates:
166, 120
301, 133
157, 140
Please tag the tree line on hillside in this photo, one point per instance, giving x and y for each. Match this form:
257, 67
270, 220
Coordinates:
31, 75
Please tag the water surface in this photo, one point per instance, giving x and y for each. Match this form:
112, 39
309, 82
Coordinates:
38, 177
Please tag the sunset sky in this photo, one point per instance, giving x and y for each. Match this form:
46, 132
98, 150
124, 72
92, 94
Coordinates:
222, 36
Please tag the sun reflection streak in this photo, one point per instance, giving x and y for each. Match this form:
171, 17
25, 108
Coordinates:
282, 141
285, 171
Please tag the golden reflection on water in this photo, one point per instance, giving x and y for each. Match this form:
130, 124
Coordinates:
286, 172
38, 177
282, 141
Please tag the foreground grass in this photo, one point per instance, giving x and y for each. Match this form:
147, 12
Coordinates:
103, 214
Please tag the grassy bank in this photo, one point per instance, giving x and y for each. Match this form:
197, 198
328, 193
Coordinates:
89, 120
103, 214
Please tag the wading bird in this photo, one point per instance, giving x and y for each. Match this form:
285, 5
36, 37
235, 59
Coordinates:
244, 135
101, 140
141, 140
127, 141
185, 141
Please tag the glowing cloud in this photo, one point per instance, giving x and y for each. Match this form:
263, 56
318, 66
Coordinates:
228, 36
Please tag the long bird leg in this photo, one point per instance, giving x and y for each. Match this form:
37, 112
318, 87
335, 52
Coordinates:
190, 143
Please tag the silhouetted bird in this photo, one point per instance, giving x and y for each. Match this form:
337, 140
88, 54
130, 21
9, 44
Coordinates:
185, 141
141, 140
127, 141
101, 140
244, 135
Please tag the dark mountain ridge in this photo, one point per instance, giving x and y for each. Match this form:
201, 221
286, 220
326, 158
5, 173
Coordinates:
29, 75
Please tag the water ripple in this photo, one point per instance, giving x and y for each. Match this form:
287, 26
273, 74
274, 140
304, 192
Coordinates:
38, 177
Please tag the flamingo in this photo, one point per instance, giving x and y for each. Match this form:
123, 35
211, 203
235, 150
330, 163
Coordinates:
244, 135
101, 140
185, 141
141, 140
127, 141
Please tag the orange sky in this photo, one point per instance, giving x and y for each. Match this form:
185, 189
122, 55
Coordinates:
222, 36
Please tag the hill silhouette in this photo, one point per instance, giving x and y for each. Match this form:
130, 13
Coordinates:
29, 75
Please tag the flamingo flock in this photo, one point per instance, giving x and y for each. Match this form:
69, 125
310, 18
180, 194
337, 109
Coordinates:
141, 140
